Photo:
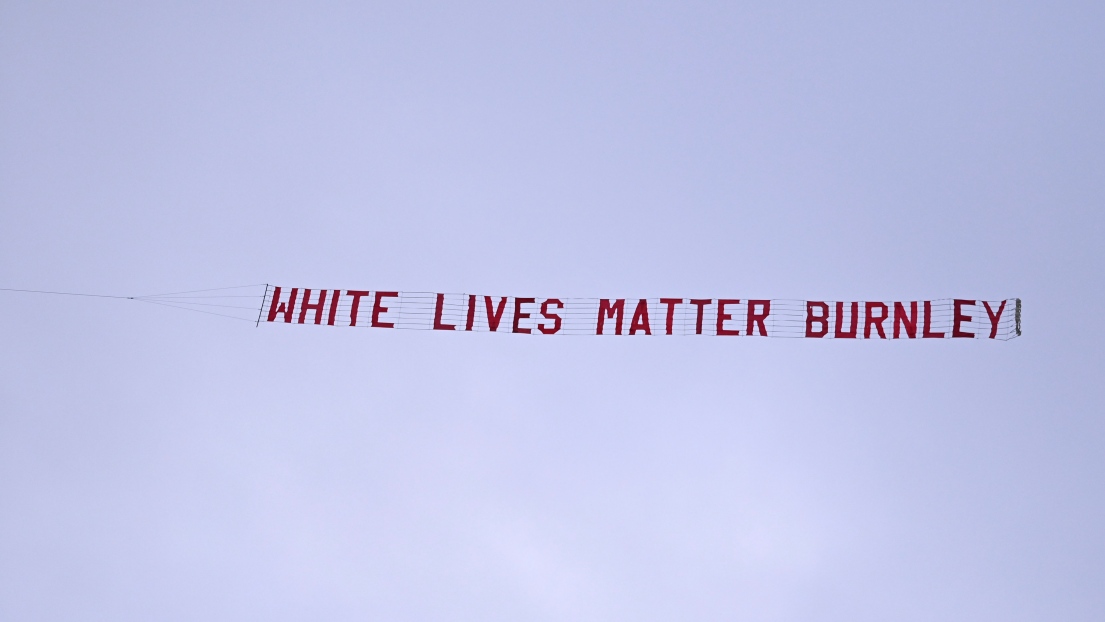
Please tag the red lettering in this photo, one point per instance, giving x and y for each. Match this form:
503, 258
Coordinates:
722, 316
909, 321
671, 302
356, 294
926, 330
851, 333
378, 308
870, 319
701, 304
545, 330
959, 317
333, 308
608, 310
494, 316
994, 317
286, 308
471, 312
640, 319
757, 318
518, 315
822, 319
306, 305
438, 309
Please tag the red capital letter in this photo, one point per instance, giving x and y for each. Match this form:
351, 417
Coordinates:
994, 317
926, 330
909, 321
307, 306
471, 312
640, 319
870, 319
546, 330
286, 308
494, 316
960, 317
378, 308
757, 318
607, 310
671, 302
700, 304
356, 294
822, 319
333, 308
722, 316
518, 315
438, 325
851, 334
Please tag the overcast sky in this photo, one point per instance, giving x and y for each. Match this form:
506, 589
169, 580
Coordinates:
157, 464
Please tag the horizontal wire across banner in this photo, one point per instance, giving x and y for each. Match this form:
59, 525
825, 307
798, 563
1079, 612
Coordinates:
911, 319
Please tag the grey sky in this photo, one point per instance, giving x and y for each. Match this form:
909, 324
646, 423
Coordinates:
158, 464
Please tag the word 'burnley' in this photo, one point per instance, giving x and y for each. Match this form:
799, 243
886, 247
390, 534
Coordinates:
927, 319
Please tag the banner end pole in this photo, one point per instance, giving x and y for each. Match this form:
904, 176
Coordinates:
266, 297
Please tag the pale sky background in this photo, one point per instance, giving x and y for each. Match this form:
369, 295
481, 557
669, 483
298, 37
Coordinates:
163, 465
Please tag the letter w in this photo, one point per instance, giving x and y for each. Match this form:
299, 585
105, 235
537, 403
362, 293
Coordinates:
286, 308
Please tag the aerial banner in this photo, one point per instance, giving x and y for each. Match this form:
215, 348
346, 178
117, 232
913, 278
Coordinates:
948, 318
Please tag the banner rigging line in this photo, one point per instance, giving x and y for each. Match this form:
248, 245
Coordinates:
185, 300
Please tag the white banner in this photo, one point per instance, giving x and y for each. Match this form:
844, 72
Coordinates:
947, 318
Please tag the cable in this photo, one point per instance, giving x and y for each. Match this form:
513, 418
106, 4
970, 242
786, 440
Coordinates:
195, 291
38, 291
165, 304
168, 301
